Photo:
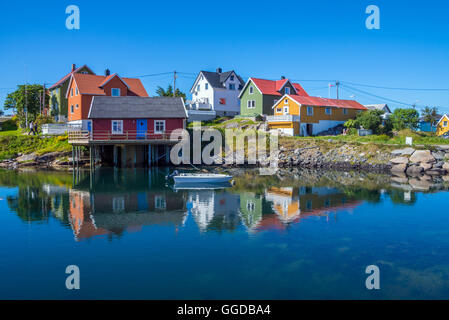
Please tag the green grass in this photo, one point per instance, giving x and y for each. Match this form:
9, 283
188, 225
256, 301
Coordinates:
222, 122
14, 143
10, 133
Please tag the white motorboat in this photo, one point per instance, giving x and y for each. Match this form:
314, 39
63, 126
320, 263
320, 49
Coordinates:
201, 178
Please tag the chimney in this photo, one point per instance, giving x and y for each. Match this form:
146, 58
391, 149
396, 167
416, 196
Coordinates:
282, 77
73, 67
107, 72
219, 70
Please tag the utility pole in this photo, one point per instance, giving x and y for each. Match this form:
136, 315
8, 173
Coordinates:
337, 84
43, 98
174, 83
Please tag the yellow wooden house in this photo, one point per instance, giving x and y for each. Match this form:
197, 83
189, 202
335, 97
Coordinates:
443, 125
306, 116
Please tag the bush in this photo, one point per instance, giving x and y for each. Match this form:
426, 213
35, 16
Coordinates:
405, 119
370, 120
9, 125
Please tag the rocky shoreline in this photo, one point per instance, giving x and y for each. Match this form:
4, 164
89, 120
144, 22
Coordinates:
54, 160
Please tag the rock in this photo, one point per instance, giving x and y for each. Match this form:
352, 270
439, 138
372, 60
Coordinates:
419, 184
414, 170
399, 168
434, 172
401, 180
399, 160
48, 157
446, 166
443, 147
420, 156
27, 158
439, 155
27, 164
446, 178
426, 166
438, 165
403, 152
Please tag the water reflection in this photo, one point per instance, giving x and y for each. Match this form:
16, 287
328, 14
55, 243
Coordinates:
114, 202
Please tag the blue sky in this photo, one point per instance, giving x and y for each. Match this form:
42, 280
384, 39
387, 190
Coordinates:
302, 40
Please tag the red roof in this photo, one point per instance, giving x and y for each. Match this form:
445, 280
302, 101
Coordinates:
323, 102
92, 84
67, 76
272, 87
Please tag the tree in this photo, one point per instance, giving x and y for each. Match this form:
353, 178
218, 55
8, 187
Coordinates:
161, 92
405, 119
430, 114
26, 98
370, 119
1, 112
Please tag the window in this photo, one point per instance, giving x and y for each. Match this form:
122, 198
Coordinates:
251, 104
71, 109
118, 204
206, 86
76, 106
328, 111
198, 88
232, 78
251, 90
285, 109
310, 111
115, 92
160, 203
286, 101
117, 126
84, 72
345, 111
279, 110
159, 126
222, 101
71, 92
76, 91
250, 205
287, 90
445, 124
231, 86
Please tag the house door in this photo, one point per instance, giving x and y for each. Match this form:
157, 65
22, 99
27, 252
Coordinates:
141, 128
89, 126
309, 128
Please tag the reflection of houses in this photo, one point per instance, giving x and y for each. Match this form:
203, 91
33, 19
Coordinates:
214, 210
285, 203
251, 208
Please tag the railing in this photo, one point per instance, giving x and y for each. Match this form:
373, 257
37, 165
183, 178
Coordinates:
286, 117
107, 135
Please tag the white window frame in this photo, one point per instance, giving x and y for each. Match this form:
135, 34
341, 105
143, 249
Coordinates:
119, 92
279, 109
155, 126
287, 90
206, 86
231, 86
72, 109
121, 127
328, 109
286, 109
198, 87
160, 202
232, 77
345, 110
251, 90
251, 104
309, 111
444, 124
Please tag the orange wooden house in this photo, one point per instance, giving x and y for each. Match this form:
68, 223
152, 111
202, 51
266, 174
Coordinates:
83, 87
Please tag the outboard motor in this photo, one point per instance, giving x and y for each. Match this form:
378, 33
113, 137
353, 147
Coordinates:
174, 173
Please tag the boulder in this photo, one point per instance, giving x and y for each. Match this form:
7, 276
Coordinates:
421, 156
435, 172
446, 166
419, 184
401, 180
426, 166
439, 155
438, 165
403, 152
414, 170
399, 160
399, 168
27, 157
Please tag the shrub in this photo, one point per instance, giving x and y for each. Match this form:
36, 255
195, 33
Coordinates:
405, 119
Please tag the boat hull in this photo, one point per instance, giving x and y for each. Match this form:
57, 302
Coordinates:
201, 180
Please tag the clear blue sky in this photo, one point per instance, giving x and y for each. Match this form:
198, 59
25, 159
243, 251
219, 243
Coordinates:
303, 40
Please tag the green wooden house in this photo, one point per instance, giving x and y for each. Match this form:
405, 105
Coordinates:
259, 95
58, 100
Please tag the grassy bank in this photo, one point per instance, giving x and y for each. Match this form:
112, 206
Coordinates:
13, 142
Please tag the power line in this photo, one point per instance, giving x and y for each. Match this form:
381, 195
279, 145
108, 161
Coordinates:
374, 95
393, 88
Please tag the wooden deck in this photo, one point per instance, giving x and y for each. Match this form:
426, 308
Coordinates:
131, 137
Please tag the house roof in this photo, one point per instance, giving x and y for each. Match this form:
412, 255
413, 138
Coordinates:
379, 107
93, 84
132, 107
272, 87
445, 116
67, 77
217, 80
323, 102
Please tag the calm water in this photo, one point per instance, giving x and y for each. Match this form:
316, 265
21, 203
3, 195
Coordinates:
295, 235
